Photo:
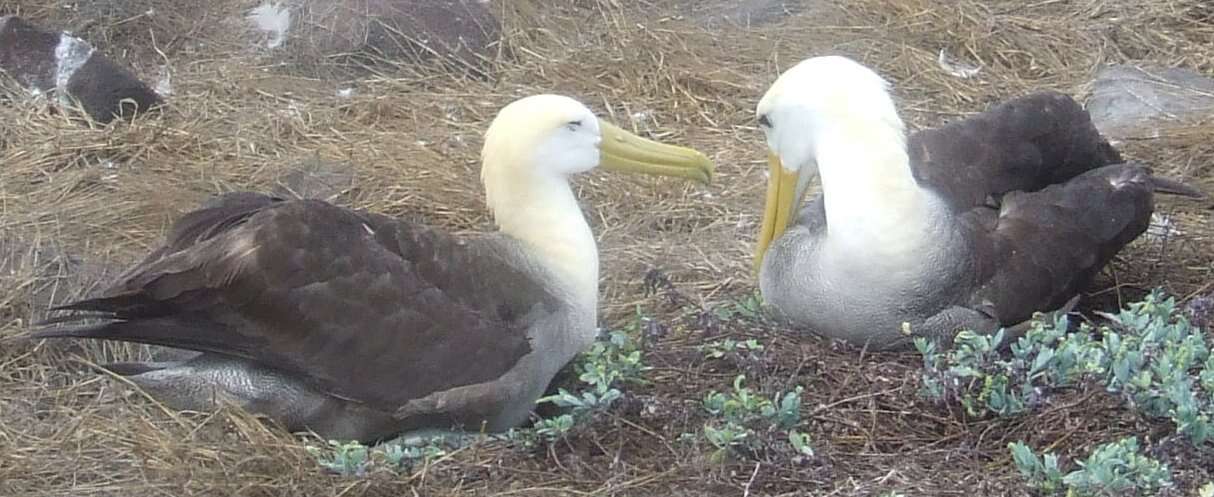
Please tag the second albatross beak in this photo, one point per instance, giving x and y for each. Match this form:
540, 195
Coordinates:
785, 193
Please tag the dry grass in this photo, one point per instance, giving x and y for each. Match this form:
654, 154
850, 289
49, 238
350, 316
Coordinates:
77, 202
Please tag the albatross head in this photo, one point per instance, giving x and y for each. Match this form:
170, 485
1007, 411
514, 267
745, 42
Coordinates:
532, 148
558, 136
819, 102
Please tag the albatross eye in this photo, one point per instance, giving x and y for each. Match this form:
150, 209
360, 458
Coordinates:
764, 121
574, 125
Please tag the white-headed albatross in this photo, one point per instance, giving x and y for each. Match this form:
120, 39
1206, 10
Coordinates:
975, 225
360, 326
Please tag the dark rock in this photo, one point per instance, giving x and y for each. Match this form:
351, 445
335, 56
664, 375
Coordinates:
67, 68
749, 13
374, 33
1132, 102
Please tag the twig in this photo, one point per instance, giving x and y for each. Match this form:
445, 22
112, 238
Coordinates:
753, 474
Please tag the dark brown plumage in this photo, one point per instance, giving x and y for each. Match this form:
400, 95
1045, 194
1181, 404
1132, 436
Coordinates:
1047, 201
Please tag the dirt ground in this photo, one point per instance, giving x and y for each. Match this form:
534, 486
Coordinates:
78, 202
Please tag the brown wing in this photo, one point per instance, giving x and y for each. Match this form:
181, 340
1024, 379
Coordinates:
1044, 247
1023, 144
1044, 198
361, 306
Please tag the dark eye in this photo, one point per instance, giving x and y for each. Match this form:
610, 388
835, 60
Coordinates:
764, 121
574, 125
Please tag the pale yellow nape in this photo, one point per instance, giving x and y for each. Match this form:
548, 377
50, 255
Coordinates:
532, 202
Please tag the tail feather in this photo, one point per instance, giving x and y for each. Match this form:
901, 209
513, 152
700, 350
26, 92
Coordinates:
1135, 172
1173, 187
182, 332
135, 368
120, 306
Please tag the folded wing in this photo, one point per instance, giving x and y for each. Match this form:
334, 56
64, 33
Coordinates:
1023, 144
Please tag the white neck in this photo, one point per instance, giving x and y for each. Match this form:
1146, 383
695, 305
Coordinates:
873, 204
541, 211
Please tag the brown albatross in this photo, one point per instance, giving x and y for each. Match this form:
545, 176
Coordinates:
359, 326
975, 225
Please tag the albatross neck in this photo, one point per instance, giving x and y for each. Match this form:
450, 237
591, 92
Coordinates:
541, 211
872, 200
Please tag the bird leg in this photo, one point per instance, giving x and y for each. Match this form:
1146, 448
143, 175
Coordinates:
944, 326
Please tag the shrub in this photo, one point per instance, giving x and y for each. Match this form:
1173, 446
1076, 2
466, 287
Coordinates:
1150, 356
1112, 469
743, 421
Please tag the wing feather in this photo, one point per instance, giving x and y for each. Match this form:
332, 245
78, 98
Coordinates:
1044, 200
1048, 245
1023, 144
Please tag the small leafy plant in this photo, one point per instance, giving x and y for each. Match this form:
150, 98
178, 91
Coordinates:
351, 458
728, 346
403, 456
1150, 356
748, 307
1112, 469
1039, 472
344, 458
744, 420
1162, 366
975, 373
607, 366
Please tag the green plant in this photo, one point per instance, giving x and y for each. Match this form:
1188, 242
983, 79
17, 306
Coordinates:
721, 348
604, 368
1040, 472
1162, 366
343, 458
1112, 469
607, 365
351, 458
976, 374
403, 456
748, 307
554, 428
743, 419
1115, 468
1150, 355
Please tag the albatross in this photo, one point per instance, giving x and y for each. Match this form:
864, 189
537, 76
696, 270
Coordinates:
359, 326
975, 225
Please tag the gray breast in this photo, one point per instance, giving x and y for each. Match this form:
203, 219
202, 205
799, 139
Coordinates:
858, 302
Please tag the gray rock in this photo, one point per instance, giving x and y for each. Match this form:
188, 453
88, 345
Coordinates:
750, 12
1133, 102
67, 68
373, 33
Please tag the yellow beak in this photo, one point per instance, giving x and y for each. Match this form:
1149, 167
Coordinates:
624, 151
782, 201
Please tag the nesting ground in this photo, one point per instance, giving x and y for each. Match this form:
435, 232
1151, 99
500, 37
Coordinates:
77, 203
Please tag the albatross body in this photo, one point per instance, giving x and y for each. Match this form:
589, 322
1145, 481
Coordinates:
359, 326
975, 225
